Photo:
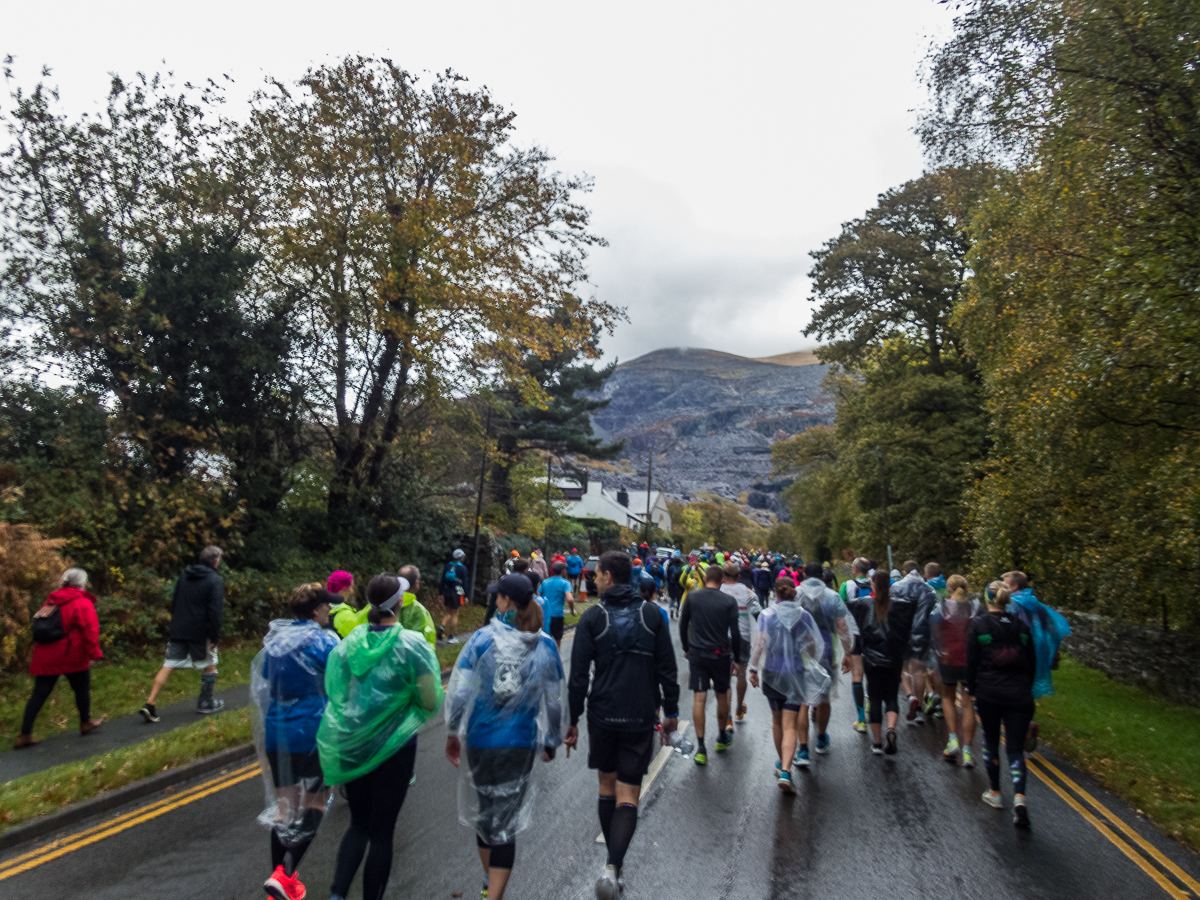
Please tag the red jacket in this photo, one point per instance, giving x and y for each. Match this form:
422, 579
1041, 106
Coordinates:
81, 645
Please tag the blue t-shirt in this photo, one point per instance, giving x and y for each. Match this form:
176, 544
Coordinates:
296, 684
554, 590
574, 565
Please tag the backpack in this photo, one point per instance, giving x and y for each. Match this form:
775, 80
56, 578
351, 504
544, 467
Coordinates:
627, 625
48, 625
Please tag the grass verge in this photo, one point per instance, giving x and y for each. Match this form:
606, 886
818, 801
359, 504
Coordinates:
1144, 749
118, 688
45, 792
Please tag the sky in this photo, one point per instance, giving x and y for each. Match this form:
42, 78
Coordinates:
726, 141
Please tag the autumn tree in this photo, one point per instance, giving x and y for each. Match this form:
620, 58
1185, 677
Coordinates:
433, 254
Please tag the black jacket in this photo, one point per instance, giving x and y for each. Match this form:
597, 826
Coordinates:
674, 570
197, 605
630, 645
708, 625
885, 644
1001, 664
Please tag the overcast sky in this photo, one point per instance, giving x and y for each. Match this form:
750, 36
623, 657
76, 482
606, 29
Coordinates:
726, 141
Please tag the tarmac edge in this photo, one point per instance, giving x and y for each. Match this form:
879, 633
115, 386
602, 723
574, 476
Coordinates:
77, 812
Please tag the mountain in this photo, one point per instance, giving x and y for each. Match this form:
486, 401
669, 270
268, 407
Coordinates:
710, 418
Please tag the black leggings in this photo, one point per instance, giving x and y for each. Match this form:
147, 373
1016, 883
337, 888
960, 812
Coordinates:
375, 801
883, 688
1016, 721
81, 684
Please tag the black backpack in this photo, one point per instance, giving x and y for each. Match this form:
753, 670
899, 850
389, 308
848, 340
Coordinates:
48, 626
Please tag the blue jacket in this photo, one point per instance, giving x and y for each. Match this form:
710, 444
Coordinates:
574, 565
293, 669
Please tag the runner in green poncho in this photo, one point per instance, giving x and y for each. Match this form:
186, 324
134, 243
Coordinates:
383, 683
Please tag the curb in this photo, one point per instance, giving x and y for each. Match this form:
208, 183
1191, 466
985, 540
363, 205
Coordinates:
77, 812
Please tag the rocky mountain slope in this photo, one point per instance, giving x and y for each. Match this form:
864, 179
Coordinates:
710, 419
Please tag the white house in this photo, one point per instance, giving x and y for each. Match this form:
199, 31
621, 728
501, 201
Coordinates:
628, 508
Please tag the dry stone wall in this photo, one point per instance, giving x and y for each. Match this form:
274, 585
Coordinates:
1167, 663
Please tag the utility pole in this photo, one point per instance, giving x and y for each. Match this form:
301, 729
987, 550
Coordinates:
546, 536
887, 530
649, 476
487, 433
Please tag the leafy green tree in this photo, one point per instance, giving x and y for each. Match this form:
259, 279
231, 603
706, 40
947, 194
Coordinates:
1082, 312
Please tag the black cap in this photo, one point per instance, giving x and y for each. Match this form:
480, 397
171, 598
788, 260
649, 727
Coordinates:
515, 586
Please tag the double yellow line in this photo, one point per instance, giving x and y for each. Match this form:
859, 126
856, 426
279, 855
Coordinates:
1133, 845
63, 846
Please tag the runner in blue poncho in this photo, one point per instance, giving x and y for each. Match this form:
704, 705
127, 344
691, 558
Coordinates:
1048, 628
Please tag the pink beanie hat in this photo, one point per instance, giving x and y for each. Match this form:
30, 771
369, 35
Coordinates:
339, 581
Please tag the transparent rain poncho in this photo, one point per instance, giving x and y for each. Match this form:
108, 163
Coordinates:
834, 621
287, 699
505, 703
787, 652
383, 685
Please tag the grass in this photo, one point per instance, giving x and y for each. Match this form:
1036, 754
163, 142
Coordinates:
1144, 749
118, 688
45, 792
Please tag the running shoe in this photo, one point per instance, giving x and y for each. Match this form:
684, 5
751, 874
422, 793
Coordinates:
860, 727
1020, 814
877, 749
931, 701
778, 768
801, 760
822, 744
913, 706
483, 893
968, 759
919, 720
149, 713
701, 758
784, 780
993, 799
741, 714
951, 750
1031, 737
891, 747
452, 640
282, 886
606, 886
725, 739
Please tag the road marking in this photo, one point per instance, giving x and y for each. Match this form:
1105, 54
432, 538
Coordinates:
655, 767
63, 846
1148, 848
1108, 833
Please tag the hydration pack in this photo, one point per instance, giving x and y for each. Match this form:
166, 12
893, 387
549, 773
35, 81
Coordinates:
626, 625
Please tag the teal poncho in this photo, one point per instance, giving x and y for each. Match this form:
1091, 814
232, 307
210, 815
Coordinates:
383, 685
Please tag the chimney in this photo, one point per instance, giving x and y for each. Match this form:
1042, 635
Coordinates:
623, 497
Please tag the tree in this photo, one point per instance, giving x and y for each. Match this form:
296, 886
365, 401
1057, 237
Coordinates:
557, 420
431, 252
1082, 312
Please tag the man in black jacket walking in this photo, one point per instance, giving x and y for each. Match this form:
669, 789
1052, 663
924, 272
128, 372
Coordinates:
196, 611
629, 642
712, 641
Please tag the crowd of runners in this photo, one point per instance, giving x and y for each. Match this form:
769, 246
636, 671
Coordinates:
341, 690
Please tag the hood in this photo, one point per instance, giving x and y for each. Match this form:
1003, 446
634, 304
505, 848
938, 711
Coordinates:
812, 589
365, 648
509, 638
936, 582
790, 613
621, 595
285, 636
196, 572
67, 594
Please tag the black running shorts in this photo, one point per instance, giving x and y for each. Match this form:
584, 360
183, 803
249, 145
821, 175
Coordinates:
296, 768
709, 674
953, 675
628, 753
556, 627
778, 700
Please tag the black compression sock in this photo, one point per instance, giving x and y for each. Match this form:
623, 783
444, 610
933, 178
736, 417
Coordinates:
277, 851
605, 808
624, 823
804, 747
699, 743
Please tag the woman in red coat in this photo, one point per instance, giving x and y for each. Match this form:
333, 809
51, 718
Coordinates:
70, 656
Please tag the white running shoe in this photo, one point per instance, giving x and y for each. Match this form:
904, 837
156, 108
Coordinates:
993, 799
606, 885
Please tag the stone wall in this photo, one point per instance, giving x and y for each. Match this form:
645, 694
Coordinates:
1167, 663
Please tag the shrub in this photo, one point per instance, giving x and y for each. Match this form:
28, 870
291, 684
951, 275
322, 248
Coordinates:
30, 566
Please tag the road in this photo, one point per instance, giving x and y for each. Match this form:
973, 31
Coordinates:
908, 826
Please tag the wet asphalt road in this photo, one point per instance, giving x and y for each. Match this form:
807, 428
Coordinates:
908, 826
